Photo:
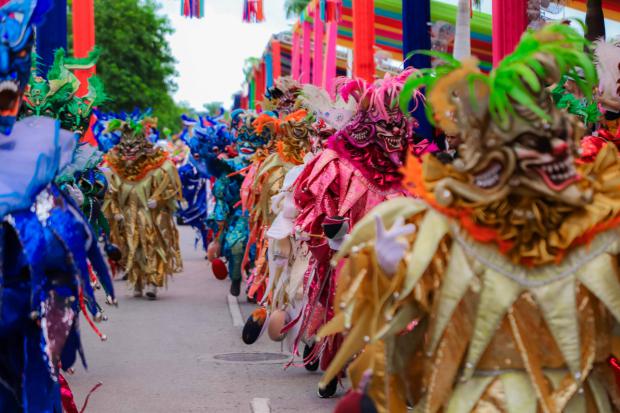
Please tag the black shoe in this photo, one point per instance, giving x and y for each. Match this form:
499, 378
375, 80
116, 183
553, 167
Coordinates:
329, 390
235, 288
314, 366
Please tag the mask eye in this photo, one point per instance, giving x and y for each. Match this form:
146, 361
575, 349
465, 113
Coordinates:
22, 53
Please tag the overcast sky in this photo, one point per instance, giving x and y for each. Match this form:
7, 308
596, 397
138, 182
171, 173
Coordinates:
211, 51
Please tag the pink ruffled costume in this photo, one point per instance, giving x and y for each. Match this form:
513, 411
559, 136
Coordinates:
358, 171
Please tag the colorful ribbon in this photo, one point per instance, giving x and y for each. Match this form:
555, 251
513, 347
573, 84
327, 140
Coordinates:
193, 8
253, 11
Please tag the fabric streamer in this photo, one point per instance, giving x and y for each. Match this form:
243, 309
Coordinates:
68, 399
317, 65
417, 36
193, 8
509, 23
51, 35
295, 55
364, 39
253, 11
331, 11
268, 70
83, 39
306, 53
276, 57
330, 74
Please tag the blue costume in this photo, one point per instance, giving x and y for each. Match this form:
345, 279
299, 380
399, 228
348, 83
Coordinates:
204, 142
232, 221
45, 241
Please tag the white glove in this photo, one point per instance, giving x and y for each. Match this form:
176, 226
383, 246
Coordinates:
118, 217
276, 202
151, 203
75, 194
390, 249
183, 204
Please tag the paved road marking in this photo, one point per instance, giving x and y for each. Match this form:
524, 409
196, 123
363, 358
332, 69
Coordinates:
235, 311
259, 405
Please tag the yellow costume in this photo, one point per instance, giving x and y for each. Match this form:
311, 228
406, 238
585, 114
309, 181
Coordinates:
144, 188
507, 295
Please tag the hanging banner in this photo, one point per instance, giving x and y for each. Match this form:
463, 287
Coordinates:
364, 39
192, 8
317, 65
83, 39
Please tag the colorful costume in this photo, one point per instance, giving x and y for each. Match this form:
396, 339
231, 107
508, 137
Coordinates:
290, 143
47, 244
508, 292
204, 142
144, 189
232, 236
358, 170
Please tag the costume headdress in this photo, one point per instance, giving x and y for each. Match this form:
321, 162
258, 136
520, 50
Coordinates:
378, 136
513, 137
292, 134
17, 20
56, 96
283, 96
135, 155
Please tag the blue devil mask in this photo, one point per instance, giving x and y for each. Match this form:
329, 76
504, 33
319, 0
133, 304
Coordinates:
17, 19
248, 141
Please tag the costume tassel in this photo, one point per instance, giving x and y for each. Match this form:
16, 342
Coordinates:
331, 11
92, 325
68, 400
253, 11
193, 8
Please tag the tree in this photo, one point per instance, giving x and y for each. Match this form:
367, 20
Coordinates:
595, 20
136, 63
294, 8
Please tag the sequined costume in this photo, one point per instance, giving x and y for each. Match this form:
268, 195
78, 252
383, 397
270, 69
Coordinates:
232, 221
46, 242
498, 289
357, 171
143, 192
203, 141
289, 143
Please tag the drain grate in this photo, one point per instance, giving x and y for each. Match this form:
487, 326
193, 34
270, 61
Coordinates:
251, 357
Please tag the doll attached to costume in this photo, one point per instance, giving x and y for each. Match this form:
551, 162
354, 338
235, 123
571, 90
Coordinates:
358, 170
46, 242
497, 289
232, 222
143, 192
204, 141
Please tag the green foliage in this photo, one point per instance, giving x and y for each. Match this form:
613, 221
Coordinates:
136, 63
294, 8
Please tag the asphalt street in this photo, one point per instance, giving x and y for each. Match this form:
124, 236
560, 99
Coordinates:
174, 355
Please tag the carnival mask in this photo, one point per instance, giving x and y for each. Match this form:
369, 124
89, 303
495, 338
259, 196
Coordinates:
513, 139
16, 41
283, 96
379, 120
209, 141
534, 156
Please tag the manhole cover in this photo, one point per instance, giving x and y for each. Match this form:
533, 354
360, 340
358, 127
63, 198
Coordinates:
251, 357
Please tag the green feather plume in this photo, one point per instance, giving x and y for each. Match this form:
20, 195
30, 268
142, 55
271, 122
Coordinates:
540, 59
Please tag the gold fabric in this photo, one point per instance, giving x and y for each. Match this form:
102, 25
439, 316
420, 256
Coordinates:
147, 237
469, 316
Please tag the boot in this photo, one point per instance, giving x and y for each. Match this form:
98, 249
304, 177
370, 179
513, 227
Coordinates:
235, 288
